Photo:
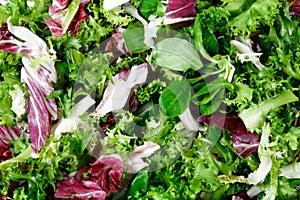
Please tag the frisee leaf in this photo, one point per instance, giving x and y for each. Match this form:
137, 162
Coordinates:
248, 22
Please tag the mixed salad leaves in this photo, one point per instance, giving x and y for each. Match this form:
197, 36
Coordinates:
149, 99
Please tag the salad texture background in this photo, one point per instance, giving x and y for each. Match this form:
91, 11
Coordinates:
150, 99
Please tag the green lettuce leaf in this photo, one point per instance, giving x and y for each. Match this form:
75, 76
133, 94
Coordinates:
254, 116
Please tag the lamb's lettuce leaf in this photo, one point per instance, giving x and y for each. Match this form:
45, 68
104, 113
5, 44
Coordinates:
175, 99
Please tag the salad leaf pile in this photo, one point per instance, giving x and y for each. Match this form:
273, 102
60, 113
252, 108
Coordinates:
149, 99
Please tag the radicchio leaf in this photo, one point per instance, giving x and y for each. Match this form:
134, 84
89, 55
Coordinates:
180, 12
295, 8
5, 153
37, 74
134, 161
38, 115
41, 76
9, 44
66, 16
243, 141
7, 134
36, 48
40, 110
97, 180
80, 16
75, 189
55, 28
133, 103
115, 44
116, 94
58, 5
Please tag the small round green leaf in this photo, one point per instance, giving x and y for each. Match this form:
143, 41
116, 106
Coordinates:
139, 183
176, 98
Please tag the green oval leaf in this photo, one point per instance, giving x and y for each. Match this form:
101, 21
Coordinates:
175, 99
134, 39
139, 183
177, 54
210, 42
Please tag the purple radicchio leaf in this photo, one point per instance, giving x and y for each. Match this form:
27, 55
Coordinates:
75, 189
180, 12
97, 180
66, 16
37, 80
37, 48
9, 44
5, 153
243, 141
41, 78
7, 134
117, 93
297, 123
295, 8
111, 120
58, 5
133, 103
115, 44
134, 161
38, 115
81, 16
55, 27
40, 110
